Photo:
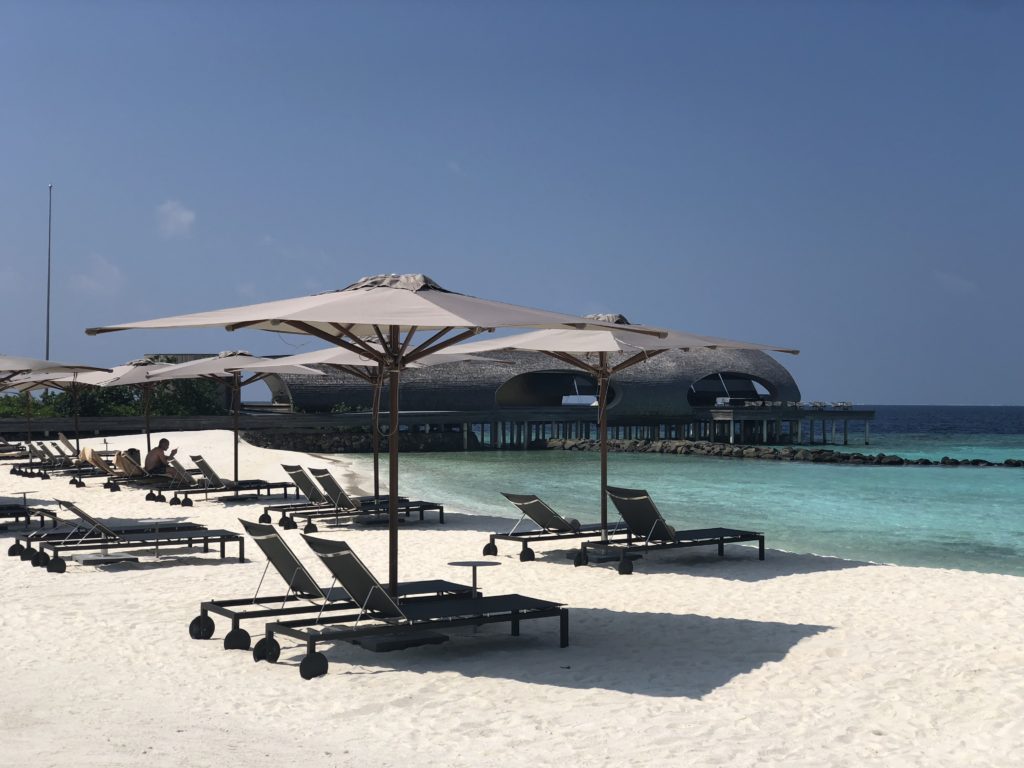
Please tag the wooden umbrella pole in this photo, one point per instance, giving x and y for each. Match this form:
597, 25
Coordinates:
602, 403
75, 406
378, 385
28, 419
393, 383
236, 385
147, 393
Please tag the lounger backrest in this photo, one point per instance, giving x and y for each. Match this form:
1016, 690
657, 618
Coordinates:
305, 484
58, 450
283, 559
101, 463
45, 451
92, 521
211, 477
541, 513
127, 464
66, 443
179, 473
354, 577
640, 514
335, 493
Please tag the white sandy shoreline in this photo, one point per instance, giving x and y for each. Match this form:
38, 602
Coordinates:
797, 660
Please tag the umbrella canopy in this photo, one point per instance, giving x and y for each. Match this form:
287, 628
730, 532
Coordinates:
27, 373
132, 374
11, 366
390, 309
604, 352
225, 368
403, 302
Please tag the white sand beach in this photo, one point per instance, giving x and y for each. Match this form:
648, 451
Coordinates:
798, 660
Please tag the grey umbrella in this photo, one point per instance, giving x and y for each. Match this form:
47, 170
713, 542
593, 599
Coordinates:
603, 353
409, 316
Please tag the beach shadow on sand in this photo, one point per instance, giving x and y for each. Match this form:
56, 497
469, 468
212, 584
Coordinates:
609, 650
739, 564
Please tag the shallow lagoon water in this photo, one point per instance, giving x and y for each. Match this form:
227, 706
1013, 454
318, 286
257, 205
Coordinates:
960, 517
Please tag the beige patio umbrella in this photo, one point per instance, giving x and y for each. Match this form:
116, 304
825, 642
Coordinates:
225, 368
603, 353
34, 373
131, 374
409, 316
372, 372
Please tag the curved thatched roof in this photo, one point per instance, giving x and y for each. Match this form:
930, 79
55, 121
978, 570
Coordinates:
656, 389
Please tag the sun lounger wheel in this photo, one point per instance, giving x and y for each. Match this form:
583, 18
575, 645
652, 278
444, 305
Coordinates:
490, 549
45, 475
266, 649
187, 502
73, 481
27, 552
313, 665
287, 523
310, 527
175, 501
56, 565
160, 497
150, 496
265, 518
581, 558
527, 555
201, 628
625, 566
40, 559
15, 549
236, 640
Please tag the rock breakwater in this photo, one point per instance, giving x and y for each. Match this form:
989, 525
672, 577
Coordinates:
769, 453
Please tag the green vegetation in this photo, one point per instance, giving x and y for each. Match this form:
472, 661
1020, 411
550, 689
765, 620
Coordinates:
182, 397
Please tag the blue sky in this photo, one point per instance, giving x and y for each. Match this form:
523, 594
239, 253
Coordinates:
843, 177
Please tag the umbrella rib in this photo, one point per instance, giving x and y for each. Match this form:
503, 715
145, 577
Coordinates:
238, 326
574, 361
422, 350
346, 331
338, 341
408, 340
639, 357
353, 370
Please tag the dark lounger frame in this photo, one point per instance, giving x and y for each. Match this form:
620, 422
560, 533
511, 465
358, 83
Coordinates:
414, 616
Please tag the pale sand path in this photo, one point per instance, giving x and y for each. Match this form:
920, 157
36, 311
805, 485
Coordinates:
796, 661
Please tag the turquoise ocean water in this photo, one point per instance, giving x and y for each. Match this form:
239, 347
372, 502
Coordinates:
960, 517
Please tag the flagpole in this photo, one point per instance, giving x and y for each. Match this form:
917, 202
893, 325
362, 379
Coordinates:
49, 243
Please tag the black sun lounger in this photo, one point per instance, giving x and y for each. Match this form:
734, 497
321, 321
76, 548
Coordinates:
360, 509
84, 528
316, 500
21, 511
102, 537
304, 595
647, 530
227, 490
551, 526
381, 614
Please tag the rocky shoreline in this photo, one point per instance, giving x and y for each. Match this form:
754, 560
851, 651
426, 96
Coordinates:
764, 452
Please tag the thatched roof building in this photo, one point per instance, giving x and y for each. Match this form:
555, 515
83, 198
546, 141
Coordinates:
663, 389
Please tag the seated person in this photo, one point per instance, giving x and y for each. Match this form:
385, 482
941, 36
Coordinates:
158, 459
